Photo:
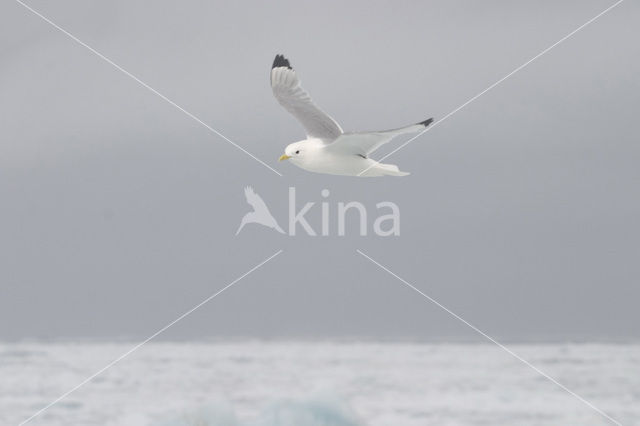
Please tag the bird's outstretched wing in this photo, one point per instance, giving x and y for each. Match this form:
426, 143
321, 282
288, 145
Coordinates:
287, 90
364, 143
255, 200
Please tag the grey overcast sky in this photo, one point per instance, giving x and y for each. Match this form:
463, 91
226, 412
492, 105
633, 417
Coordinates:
119, 212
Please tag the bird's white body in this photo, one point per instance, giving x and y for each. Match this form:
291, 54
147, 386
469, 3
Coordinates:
327, 148
320, 157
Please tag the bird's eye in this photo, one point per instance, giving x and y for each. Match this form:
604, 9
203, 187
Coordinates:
298, 152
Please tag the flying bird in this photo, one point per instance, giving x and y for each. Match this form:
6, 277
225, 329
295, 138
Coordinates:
260, 213
328, 149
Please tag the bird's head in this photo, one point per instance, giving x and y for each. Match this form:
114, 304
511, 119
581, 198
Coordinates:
294, 151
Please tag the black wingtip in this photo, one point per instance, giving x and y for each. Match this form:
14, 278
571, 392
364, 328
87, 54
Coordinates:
426, 123
281, 61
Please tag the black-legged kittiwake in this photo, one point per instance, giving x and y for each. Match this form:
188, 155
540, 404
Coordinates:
327, 148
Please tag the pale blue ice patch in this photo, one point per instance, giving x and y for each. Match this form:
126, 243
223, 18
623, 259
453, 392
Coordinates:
319, 412
308, 413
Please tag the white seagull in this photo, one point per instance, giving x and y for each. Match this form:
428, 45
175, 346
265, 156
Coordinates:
260, 213
327, 148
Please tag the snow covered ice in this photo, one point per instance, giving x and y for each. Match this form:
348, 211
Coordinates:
252, 383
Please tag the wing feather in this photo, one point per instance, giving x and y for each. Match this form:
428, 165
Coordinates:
290, 94
364, 143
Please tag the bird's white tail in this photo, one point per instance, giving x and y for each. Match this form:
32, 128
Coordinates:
380, 169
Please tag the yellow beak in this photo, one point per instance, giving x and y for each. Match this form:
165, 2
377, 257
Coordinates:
283, 157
